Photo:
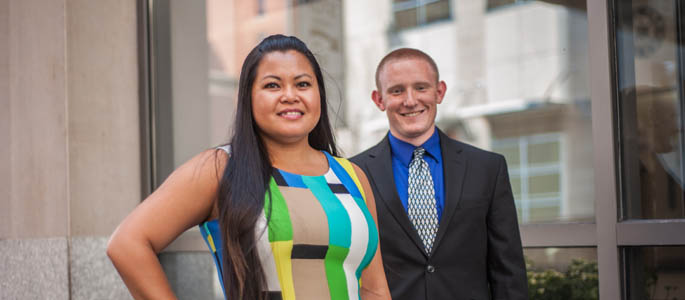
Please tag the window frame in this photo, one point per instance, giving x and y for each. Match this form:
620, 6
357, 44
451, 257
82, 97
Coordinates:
525, 170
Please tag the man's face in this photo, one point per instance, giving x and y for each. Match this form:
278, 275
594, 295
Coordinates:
409, 94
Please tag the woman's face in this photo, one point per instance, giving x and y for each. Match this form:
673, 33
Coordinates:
286, 104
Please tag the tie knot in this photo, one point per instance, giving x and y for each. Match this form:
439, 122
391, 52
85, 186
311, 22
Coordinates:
418, 152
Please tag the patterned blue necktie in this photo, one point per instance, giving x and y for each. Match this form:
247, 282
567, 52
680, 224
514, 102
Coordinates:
421, 199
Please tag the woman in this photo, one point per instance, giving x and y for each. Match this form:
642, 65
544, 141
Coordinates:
282, 215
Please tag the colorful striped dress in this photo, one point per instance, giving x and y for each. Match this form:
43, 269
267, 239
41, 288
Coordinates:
319, 238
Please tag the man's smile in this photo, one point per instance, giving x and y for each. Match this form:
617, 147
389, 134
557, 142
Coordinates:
412, 114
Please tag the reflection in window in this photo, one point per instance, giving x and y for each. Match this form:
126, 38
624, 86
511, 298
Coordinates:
492, 4
654, 272
535, 172
650, 106
412, 13
562, 273
513, 76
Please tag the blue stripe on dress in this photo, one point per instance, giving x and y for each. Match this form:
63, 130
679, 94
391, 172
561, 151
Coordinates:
344, 177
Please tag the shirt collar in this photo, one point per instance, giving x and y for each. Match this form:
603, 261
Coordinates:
404, 151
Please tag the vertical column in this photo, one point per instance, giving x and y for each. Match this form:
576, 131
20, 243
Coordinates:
5, 183
34, 173
103, 137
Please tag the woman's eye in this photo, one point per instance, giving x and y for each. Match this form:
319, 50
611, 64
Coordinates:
271, 85
303, 84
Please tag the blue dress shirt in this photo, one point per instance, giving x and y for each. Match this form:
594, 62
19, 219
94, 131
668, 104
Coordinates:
402, 153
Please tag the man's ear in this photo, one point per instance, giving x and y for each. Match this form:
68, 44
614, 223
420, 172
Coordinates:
442, 88
378, 100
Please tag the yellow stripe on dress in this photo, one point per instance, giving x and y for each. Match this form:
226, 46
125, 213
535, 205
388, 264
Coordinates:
350, 170
210, 240
282, 251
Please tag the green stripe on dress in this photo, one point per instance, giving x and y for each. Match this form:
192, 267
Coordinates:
280, 226
337, 284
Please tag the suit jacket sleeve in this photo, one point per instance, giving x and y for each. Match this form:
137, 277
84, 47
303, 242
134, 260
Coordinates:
506, 266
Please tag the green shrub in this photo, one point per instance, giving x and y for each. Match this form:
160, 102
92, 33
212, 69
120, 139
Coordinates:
578, 282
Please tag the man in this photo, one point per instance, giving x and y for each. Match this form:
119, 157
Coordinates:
446, 214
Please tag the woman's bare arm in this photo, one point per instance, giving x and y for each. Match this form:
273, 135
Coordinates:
374, 284
185, 199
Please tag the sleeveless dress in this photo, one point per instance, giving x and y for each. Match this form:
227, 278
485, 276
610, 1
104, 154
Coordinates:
319, 238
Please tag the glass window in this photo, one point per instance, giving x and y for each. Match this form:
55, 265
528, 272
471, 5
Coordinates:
514, 78
654, 272
412, 13
518, 85
517, 81
535, 172
650, 107
562, 273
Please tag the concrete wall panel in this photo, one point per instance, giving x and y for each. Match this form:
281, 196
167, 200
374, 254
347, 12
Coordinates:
5, 178
37, 107
104, 145
92, 274
34, 269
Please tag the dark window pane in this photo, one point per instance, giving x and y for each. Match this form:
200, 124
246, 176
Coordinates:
650, 104
516, 186
543, 153
654, 272
562, 273
437, 11
544, 184
538, 214
406, 18
511, 153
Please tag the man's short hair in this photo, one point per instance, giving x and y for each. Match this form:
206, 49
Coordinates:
404, 53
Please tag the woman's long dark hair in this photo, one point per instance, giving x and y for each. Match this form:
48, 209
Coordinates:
243, 186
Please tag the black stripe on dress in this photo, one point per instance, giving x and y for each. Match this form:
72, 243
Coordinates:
304, 251
280, 181
274, 295
338, 188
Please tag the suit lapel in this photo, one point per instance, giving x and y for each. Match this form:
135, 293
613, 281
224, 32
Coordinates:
381, 176
454, 168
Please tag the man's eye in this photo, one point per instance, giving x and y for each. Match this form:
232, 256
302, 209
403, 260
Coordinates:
395, 91
271, 85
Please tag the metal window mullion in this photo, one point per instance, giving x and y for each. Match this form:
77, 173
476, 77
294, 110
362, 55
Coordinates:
606, 201
564, 207
559, 235
651, 232
523, 169
421, 13
680, 17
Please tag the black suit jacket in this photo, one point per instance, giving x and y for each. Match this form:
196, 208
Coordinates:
477, 252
